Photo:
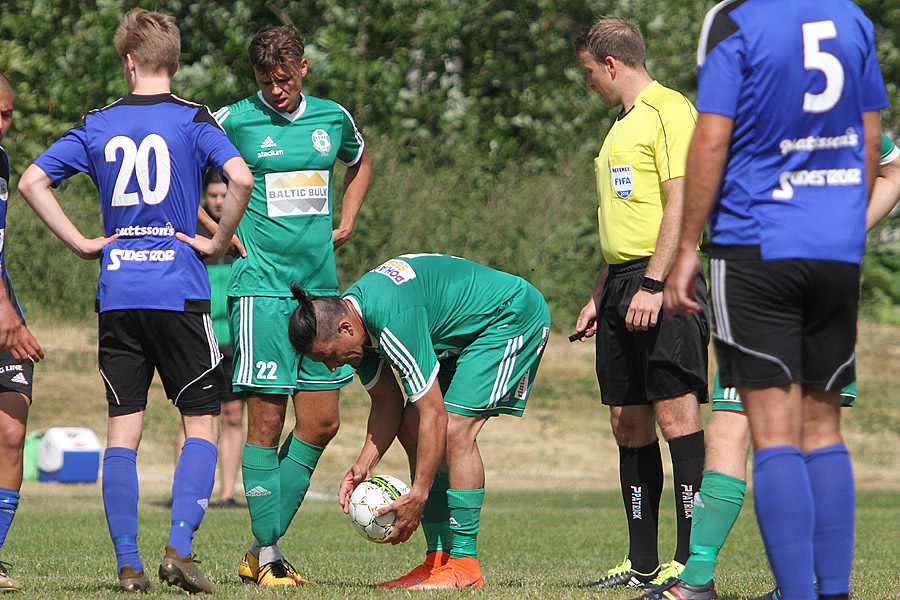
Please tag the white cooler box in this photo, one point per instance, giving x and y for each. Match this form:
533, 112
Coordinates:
69, 455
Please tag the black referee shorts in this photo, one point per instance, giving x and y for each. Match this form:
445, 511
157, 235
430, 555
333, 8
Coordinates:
180, 345
781, 321
640, 367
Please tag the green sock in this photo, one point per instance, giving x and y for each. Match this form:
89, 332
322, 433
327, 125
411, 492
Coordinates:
298, 461
715, 511
465, 516
262, 486
436, 516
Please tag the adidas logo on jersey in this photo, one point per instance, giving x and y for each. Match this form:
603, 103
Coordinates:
204, 503
257, 491
268, 143
20, 378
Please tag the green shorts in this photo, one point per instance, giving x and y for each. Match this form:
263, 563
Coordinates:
728, 398
264, 360
493, 375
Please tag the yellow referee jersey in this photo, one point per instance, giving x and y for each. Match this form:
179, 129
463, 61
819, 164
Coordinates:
644, 148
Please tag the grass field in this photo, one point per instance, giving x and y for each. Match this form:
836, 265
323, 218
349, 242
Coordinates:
552, 516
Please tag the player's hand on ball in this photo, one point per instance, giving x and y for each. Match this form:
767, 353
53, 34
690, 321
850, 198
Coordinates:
353, 478
408, 509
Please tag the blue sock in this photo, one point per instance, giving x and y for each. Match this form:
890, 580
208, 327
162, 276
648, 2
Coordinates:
193, 484
9, 502
784, 509
120, 498
831, 478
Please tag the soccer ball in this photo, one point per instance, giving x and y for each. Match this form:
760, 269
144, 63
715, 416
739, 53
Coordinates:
370, 495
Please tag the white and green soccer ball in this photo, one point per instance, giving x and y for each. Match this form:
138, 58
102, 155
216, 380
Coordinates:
369, 496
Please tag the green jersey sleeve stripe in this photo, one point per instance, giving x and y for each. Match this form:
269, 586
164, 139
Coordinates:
357, 135
222, 114
404, 359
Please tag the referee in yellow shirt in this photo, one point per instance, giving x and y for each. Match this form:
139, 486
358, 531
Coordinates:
651, 369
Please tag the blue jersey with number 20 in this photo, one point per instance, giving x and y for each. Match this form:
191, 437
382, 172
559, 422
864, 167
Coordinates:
146, 155
796, 77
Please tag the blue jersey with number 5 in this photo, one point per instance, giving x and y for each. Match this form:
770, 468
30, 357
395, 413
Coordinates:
796, 77
146, 155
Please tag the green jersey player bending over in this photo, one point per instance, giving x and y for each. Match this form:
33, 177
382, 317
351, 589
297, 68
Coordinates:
466, 341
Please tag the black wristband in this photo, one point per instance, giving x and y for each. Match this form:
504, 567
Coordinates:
652, 285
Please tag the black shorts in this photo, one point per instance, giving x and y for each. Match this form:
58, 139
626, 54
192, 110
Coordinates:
15, 377
640, 367
783, 321
180, 345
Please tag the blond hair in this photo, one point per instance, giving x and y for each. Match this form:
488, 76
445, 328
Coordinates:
615, 37
152, 39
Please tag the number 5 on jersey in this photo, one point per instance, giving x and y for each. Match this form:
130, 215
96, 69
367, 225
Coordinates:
136, 159
815, 58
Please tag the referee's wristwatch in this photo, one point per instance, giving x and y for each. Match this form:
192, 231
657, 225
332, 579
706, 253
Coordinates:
652, 285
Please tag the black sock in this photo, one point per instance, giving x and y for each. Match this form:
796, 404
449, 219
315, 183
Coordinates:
641, 476
834, 596
688, 454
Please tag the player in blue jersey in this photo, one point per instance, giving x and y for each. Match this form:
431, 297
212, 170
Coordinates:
782, 160
18, 353
146, 154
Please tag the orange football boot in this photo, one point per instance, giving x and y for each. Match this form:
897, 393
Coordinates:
420, 573
459, 572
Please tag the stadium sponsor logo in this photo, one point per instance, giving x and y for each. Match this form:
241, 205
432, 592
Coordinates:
687, 498
636, 494
297, 193
267, 148
4, 190
19, 378
321, 142
257, 491
815, 178
117, 256
8, 368
622, 179
398, 271
811, 143
166, 230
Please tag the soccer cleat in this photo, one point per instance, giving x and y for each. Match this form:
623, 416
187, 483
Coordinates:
667, 571
773, 595
7, 583
133, 581
182, 571
227, 503
623, 575
248, 568
420, 573
676, 589
275, 573
457, 573
292, 572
